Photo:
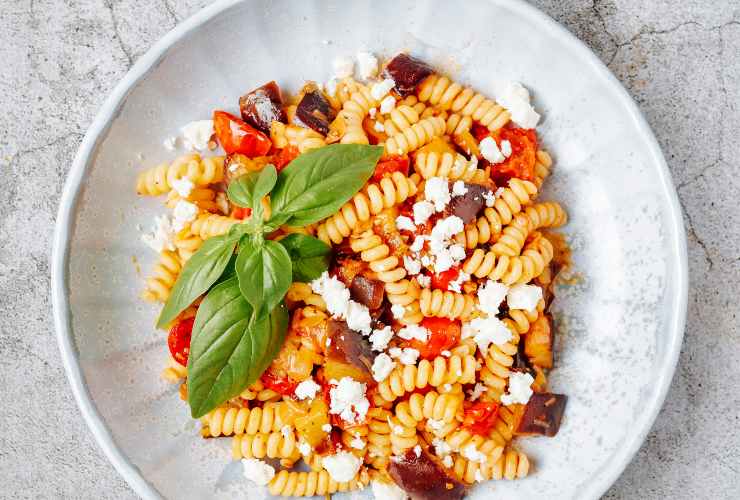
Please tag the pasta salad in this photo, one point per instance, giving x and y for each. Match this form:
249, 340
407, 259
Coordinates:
357, 289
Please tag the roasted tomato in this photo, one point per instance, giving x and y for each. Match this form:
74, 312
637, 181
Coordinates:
443, 335
283, 157
179, 340
393, 164
241, 213
480, 417
281, 384
520, 163
237, 136
441, 281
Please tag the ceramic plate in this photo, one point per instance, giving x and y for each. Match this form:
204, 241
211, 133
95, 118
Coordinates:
621, 322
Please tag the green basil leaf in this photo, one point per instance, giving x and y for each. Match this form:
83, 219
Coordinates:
264, 274
310, 256
248, 189
199, 273
317, 183
226, 354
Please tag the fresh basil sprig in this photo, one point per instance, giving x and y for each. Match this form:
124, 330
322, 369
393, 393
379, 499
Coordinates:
241, 323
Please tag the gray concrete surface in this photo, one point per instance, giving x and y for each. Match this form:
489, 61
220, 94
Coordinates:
679, 59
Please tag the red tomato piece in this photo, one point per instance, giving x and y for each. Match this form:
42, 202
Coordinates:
281, 384
520, 163
480, 132
480, 417
178, 340
441, 281
241, 213
237, 136
393, 164
284, 157
443, 335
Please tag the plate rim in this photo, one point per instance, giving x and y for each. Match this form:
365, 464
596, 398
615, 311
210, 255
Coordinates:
151, 59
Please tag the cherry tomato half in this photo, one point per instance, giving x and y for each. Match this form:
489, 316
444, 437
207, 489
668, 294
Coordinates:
237, 136
178, 340
443, 335
241, 213
286, 155
281, 384
441, 281
393, 164
480, 417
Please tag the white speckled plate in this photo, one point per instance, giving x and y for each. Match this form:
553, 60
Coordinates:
621, 325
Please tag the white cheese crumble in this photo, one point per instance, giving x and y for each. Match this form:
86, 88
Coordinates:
418, 244
441, 447
343, 66
424, 280
380, 89
379, 338
342, 466
437, 191
489, 150
445, 253
472, 453
479, 476
304, 448
490, 198
498, 192
490, 297
183, 186
326, 427
307, 389
404, 223
379, 127
387, 104
387, 491
506, 148
258, 471
347, 399
357, 443
447, 462
406, 356
162, 236
520, 389
515, 98
336, 296
398, 312
382, 367
422, 211
414, 332
477, 391
358, 317
486, 331
446, 353
459, 189
285, 431
462, 277
367, 65
412, 265
170, 143
197, 134
417, 450
524, 297
183, 213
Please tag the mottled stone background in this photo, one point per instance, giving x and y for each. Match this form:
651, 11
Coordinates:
680, 61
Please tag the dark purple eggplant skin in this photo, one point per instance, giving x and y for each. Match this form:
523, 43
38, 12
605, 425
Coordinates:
423, 478
349, 346
316, 112
407, 72
543, 414
367, 291
470, 204
262, 106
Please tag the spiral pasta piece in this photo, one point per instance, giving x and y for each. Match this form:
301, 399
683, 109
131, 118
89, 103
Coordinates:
203, 198
513, 464
405, 293
308, 484
225, 421
347, 126
403, 437
303, 138
441, 370
374, 198
302, 292
401, 117
521, 320
413, 101
415, 136
272, 445
377, 254
186, 244
342, 92
378, 437
511, 270
201, 171
454, 166
174, 372
445, 94
503, 429
209, 225
439, 407
445, 304
164, 276
542, 166
462, 438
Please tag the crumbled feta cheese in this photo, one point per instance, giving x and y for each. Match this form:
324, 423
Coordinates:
437, 191
380, 338
367, 65
418, 244
387, 104
424, 280
498, 192
459, 189
524, 297
197, 134
489, 150
446, 353
448, 387
515, 98
379, 127
183, 186
414, 332
443, 230
304, 448
347, 399
342, 466
441, 447
490, 297
457, 252
326, 427
490, 198
387, 491
285, 431
506, 148
307, 389
479, 476
412, 265
520, 389
379, 90
183, 213
406, 356
448, 462
417, 450
334, 293
422, 211
343, 66
398, 311
170, 143
426, 261
477, 391
372, 112
382, 367
404, 223
486, 331
357, 443
456, 284
162, 236
258, 471
331, 87
472, 453
358, 317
